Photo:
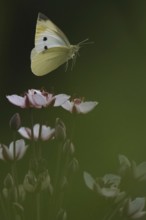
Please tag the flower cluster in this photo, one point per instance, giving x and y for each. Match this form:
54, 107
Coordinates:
43, 132
118, 188
39, 99
37, 181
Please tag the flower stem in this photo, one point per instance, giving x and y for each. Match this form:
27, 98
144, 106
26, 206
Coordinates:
38, 210
54, 199
32, 134
14, 167
39, 143
3, 207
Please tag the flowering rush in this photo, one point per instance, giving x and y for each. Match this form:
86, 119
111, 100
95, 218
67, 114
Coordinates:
34, 98
78, 105
15, 151
45, 134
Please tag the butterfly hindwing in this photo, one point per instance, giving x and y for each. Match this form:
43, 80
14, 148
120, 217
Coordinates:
45, 62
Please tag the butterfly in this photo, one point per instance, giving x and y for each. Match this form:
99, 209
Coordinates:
52, 48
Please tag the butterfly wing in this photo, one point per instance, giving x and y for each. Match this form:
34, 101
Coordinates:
47, 61
48, 35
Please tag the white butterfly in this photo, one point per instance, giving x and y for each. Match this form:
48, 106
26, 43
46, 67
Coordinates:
52, 47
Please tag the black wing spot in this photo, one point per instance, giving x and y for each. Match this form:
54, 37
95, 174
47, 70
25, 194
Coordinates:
44, 38
45, 47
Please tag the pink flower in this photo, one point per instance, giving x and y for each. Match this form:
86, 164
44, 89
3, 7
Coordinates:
10, 154
37, 99
79, 106
46, 132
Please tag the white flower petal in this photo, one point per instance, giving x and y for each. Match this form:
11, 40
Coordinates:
85, 107
68, 105
140, 170
1, 153
25, 132
36, 129
20, 149
109, 192
89, 180
47, 133
60, 99
17, 100
136, 205
36, 100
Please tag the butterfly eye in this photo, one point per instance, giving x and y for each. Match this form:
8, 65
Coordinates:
45, 38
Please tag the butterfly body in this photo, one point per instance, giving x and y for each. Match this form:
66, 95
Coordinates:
52, 47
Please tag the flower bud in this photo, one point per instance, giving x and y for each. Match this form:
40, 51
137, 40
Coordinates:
8, 181
45, 181
69, 147
62, 215
74, 165
5, 193
30, 182
22, 193
64, 183
15, 122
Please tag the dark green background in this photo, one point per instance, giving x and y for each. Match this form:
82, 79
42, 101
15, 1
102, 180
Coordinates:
111, 71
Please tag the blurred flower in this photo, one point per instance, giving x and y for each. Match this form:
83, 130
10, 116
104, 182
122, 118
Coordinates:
15, 151
131, 169
108, 186
89, 180
79, 106
39, 132
14, 194
37, 99
125, 165
139, 171
134, 209
33, 183
62, 214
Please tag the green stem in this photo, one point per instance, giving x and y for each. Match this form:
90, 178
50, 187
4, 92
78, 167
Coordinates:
3, 206
39, 143
32, 134
38, 208
73, 127
14, 168
14, 174
115, 209
54, 199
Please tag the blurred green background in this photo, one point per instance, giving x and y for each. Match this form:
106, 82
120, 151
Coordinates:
111, 71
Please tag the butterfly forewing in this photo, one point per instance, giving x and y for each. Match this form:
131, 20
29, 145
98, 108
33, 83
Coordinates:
48, 32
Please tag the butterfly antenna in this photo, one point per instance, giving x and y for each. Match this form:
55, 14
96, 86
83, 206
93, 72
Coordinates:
85, 42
